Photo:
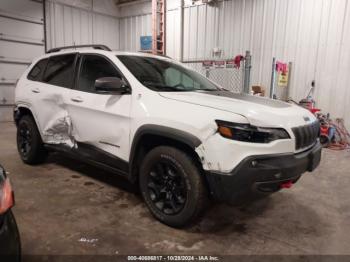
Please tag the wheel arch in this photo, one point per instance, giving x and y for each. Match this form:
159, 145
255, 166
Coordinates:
150, 136
23, 109
20, 111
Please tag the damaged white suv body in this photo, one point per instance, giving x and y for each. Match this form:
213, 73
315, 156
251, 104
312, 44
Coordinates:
180, 136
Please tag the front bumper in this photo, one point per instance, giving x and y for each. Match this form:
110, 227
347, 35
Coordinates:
262, 174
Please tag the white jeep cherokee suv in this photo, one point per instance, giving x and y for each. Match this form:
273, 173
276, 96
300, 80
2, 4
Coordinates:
183, 138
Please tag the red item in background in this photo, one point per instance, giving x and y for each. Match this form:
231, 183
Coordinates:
324, 130
314, 110
281, 67
287, 185
238, 59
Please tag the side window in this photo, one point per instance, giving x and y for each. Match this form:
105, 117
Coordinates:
36, 74
60, 70
92, 68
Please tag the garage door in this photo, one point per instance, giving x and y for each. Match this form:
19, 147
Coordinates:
21, 40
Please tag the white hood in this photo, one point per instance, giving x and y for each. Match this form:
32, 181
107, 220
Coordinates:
259, 111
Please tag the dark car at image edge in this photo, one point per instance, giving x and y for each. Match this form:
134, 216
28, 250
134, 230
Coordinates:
10, 247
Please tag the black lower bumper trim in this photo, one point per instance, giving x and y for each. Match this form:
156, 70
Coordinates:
260, 175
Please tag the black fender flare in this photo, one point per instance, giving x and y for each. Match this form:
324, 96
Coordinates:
162, 131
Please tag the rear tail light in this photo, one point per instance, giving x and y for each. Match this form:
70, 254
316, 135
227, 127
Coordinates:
287, 185
6, 196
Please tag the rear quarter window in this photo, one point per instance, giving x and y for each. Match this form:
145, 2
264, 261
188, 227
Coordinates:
37, 72
60, 70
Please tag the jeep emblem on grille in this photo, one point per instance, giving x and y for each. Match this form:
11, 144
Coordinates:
306, 118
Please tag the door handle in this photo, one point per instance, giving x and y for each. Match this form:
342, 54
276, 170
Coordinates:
77, 99
36, 90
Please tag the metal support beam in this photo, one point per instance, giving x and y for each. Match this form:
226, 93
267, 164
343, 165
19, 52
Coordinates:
158, 27
44, 25
247, 67
10, 60
273, 77
154, 26
8, 82
20, 17
21, 40
182, 30
290, 67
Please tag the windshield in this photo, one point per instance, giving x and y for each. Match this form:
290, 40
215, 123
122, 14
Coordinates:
163, 76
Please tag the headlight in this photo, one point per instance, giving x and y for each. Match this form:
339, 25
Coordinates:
249, 133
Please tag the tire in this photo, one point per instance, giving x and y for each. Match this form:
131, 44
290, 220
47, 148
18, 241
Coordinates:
172, 186
29, 144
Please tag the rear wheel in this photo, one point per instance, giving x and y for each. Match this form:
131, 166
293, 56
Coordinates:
172, 186
29, 143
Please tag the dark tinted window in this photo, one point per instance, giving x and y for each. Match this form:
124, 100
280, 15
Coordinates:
36, 74
92, 68
161, 75
60, 70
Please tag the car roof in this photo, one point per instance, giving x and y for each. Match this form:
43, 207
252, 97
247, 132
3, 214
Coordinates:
96, 51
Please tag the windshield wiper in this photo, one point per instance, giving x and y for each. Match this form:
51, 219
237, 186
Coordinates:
206, 89
161, 88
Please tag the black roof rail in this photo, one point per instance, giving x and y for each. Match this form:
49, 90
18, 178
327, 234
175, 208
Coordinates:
100, 47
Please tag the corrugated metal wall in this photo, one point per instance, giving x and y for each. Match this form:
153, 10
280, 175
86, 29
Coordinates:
68, 25
135, 21
132, 28
21, 39
313, 34
83, 24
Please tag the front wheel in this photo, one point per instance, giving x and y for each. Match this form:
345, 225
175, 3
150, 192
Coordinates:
172, 186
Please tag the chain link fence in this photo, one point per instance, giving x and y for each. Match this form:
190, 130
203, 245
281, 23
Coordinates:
230, 77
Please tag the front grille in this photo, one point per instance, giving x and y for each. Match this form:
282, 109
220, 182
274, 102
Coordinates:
306, 135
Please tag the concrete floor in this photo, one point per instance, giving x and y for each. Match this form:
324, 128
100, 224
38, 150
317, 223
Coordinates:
65, 207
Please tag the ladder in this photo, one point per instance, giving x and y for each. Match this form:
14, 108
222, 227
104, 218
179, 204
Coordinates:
158, 27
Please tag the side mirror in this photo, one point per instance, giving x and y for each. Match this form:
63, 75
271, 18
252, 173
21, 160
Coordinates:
111, 85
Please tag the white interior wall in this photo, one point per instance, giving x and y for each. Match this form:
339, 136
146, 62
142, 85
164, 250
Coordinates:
135, 21
107, 7
21, 40
82, 22
99, 22
313, 34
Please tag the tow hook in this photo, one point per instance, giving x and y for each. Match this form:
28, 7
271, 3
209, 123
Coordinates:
287, 185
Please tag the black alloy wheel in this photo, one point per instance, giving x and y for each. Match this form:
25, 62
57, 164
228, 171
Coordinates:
173, 186
29, 144
167, 188
24, 139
